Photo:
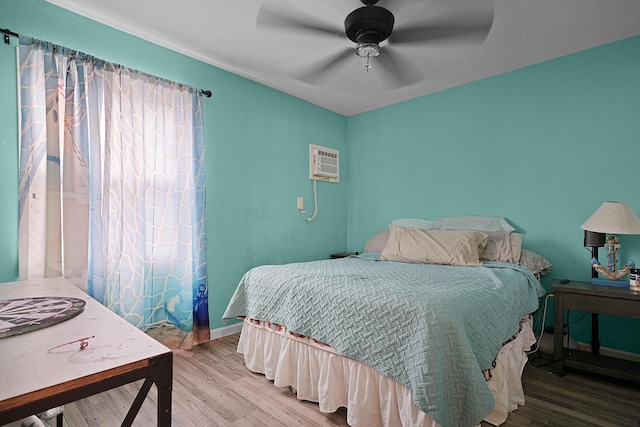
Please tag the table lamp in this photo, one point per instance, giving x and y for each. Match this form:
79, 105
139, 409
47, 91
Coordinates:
612, 218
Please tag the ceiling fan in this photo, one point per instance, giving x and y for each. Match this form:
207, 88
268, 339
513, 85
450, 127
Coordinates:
368, 26
439, 24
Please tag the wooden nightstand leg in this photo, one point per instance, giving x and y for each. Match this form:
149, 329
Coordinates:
595, 334
558, 332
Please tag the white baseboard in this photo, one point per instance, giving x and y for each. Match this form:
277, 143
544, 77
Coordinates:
612, 352
225, 330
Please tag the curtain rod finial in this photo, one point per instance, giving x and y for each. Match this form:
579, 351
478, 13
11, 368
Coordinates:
206, 93
7, 33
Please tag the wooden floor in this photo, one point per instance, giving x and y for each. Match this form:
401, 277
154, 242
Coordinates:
212, 387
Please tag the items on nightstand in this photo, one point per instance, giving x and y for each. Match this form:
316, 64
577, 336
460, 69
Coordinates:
634, 279
613, 218
343, 254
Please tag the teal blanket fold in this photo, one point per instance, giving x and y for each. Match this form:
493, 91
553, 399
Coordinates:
432, 328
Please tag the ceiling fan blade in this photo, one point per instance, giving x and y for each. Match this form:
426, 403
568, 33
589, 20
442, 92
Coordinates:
320, 70
400, 71
300, 21
462, 26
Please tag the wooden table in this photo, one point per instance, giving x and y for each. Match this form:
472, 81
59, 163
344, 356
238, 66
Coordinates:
34, 377
584, 296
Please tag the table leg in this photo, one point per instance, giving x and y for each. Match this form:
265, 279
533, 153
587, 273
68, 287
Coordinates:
161, 369
595, 334
137, 403
558, 332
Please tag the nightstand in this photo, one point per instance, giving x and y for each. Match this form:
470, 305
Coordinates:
343, 254
584, 296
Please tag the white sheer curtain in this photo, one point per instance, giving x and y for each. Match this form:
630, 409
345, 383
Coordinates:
112, 191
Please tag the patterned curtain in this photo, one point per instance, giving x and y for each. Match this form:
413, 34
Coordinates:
112, 188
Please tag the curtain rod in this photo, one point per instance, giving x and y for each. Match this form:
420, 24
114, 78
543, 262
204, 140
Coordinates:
8, 33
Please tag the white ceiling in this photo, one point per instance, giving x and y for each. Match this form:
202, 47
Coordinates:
223, 33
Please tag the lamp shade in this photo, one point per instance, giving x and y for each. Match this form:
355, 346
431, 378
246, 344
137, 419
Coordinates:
613, 218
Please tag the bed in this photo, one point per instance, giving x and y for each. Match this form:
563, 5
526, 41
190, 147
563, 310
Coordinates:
394, 339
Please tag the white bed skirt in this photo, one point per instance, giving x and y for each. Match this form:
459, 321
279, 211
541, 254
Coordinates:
334, 381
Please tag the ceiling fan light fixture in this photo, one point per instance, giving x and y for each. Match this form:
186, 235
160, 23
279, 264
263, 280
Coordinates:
367, 50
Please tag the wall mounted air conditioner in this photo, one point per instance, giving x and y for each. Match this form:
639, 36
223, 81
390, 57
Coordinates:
324, 164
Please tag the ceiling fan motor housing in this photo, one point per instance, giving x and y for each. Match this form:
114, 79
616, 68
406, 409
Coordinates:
369, 24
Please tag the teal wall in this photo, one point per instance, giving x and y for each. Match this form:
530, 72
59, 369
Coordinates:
257, 152
543, 146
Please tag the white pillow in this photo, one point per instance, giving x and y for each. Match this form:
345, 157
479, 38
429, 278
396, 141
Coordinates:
481, 223
423, 224
448, 247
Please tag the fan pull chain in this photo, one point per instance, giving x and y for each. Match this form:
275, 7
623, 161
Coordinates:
367, 65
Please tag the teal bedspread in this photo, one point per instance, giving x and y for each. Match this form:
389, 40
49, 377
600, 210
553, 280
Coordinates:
432, 328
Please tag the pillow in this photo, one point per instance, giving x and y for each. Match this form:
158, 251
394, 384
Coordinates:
423, 224
448, 247
481, 223
502, 246
535, 263
377, 242
498, 247
516, 246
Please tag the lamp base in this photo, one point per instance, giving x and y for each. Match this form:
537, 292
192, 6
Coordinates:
609, 282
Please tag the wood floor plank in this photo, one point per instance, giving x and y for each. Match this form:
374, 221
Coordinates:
212, 387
